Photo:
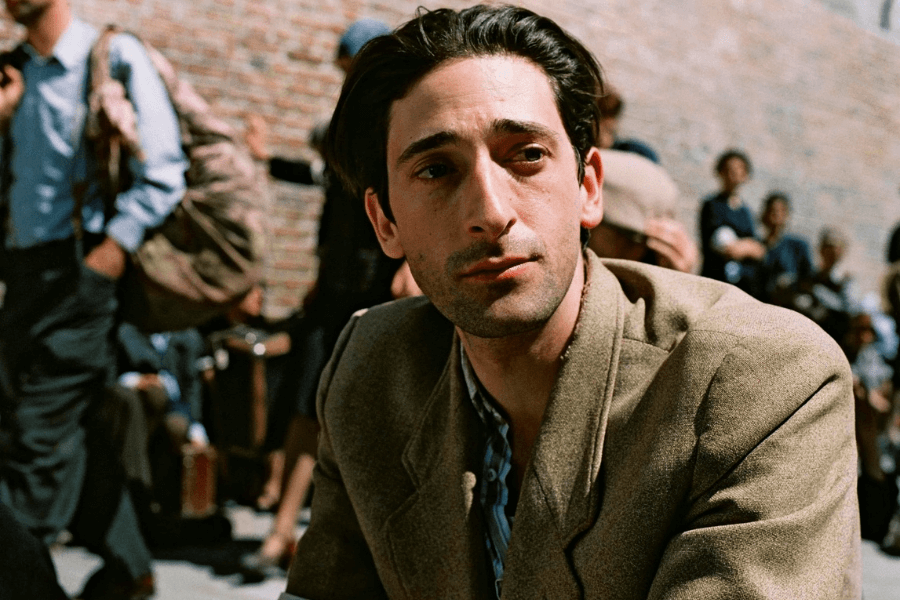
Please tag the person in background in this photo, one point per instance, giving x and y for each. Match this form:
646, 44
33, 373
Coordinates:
611, 107
61, 269
639, 209
872, 392
833, 292
788, 263
26, 569
354, 273
300, 171
731, 251
160, 382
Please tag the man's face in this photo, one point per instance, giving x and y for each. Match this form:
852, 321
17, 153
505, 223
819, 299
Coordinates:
27, 12
733, 173
343, 63
483, 184
776, 216
831, 255
609, 241
609, 128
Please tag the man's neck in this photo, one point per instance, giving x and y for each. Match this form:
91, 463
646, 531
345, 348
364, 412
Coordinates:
519, 371
49, 27
734, 200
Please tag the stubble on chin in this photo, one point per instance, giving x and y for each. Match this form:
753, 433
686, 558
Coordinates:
498, 310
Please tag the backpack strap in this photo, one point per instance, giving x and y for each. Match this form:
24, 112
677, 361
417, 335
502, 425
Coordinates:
111, 125
97, 129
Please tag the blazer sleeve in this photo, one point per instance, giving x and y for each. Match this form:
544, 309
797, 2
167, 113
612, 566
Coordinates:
773, 511
333, 560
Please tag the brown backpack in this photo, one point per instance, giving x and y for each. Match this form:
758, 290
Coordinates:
207, 254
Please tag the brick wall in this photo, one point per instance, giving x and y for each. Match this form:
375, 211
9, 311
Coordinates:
807, 91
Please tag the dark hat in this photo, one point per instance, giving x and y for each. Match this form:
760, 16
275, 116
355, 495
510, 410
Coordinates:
360, 32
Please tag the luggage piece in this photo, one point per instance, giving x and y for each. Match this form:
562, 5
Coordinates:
198, 482
207, 254
240, 407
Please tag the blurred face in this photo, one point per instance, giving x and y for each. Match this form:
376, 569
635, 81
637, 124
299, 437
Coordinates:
615, 242
776, 215
28, 11
609, 127
343, 63
733, 173
831, 255
861, 332
483, 184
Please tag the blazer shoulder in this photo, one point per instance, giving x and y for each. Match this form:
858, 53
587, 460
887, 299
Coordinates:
396, 351
663, 307
768, 367
410, 323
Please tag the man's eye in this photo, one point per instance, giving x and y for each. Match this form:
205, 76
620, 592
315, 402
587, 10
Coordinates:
531, 154
433, 171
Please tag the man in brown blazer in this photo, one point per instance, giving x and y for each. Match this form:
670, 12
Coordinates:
544, 424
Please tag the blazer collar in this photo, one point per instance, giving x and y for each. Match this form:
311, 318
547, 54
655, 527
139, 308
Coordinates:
436, 537
568, 451
560, 494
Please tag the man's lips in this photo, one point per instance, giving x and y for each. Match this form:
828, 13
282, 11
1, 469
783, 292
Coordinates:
495, 268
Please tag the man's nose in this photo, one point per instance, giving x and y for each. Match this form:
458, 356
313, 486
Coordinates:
489, 201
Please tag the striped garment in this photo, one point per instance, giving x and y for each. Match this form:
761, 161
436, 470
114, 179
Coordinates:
493, 491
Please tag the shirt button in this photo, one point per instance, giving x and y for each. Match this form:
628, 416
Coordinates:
491, 475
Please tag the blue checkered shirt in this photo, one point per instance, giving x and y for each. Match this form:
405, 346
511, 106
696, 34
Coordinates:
493, 492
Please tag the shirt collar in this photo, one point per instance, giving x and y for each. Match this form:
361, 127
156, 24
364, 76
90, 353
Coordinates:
486, 411
468, 374
73, 46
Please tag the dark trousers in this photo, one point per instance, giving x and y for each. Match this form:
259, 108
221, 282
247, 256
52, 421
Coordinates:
26, 571
56, 353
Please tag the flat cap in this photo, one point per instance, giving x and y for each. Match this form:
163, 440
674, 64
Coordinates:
635, 189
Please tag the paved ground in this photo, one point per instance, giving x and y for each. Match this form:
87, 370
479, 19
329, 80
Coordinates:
204, 573
190, 573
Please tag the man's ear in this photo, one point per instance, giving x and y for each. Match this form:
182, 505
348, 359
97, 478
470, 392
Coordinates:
592, 190
385, 229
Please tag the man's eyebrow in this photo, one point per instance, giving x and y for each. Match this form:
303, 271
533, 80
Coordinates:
444, 138
527, 127
425, 144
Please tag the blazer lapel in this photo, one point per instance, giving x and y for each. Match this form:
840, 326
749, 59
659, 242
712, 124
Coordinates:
560, 495
436, 537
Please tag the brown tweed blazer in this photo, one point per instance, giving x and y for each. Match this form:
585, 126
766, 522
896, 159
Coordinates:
697, 444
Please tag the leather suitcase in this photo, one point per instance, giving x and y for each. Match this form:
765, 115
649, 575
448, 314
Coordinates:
198, 481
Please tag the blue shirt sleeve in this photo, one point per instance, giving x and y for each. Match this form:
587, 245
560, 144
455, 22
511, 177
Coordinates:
158, 182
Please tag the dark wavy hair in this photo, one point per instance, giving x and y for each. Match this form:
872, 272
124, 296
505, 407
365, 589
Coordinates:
389, 66
774, 197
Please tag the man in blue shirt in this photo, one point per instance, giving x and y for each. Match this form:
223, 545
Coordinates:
60, 272
730, 249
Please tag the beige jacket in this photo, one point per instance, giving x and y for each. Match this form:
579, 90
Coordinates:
697, 444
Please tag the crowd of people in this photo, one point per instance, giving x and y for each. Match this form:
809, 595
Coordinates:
777, 266
97, 414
